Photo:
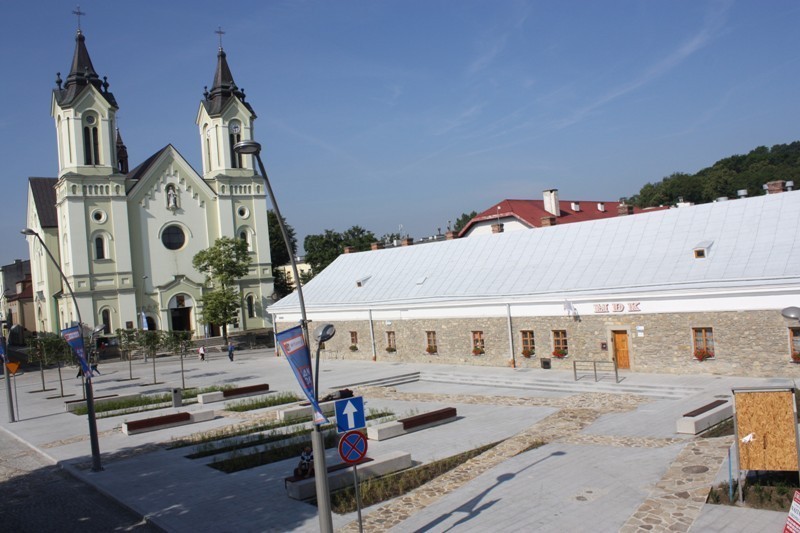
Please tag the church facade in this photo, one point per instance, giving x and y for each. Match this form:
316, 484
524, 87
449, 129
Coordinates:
125, 238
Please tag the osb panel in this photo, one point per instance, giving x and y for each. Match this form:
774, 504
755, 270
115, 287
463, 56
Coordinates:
769, 417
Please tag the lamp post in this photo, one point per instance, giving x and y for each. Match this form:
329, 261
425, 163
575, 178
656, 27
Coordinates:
317, 443
96, 466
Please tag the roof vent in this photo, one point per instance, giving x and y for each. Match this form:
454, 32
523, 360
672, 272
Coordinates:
360, 282
601, 206
741, 193
789, 185
576, 206
722, 199
701, 249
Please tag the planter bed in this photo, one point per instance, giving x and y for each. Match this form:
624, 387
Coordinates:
228, 394
410, 424
165, 421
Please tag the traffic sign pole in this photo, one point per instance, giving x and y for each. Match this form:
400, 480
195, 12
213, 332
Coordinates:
7, 379
358, 498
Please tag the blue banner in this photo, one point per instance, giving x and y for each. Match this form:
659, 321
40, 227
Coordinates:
75, 340
294, 347
3, 349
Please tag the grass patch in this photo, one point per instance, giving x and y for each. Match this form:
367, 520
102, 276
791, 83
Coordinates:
260, 403
533, 446
241, 461
385, 488
722, 429
772, 491
125, 406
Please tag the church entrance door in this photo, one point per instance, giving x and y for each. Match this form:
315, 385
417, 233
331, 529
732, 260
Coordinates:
181, 319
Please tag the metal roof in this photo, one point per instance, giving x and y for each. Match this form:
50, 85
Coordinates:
756, 243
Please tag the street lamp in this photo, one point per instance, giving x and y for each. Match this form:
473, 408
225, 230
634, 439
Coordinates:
318, 446
96, 466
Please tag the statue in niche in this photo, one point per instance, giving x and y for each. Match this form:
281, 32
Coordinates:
172, 197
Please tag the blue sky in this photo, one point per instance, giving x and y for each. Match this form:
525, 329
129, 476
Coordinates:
389, 113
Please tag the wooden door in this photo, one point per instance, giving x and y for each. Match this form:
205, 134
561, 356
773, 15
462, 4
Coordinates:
621, 349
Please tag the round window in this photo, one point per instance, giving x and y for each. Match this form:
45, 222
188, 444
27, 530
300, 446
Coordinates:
173, 237
98, 215
243, 212
90, 119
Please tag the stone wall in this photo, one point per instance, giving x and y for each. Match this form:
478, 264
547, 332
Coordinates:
746, 343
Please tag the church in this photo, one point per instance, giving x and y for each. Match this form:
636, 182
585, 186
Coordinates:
124, 238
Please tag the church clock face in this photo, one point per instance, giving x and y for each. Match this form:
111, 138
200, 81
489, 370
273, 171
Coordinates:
234, 128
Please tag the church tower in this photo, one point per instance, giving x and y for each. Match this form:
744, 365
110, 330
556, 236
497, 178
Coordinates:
85, 116
224, 118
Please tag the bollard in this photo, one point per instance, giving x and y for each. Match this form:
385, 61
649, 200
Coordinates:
177, 397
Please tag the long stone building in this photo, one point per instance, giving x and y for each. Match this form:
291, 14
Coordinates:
652, 292
126, 239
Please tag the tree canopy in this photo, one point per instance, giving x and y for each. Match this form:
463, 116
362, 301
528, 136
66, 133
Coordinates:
323, 249
277, 248
725, 177
463, 220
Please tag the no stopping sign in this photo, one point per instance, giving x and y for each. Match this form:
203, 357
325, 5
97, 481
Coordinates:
352, 447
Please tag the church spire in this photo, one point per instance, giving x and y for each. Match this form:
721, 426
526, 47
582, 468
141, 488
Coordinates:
82, 71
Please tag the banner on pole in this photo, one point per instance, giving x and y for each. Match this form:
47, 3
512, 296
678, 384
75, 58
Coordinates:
74, 338
3, 349
294, 347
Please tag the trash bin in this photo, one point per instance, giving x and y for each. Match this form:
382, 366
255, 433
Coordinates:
177, 397
545, 363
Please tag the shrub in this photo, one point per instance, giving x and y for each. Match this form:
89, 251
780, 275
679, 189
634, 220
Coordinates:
527, 353
558, 352
353, 348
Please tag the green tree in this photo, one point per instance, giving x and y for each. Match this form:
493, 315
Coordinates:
150, 342
127, 343
48, 348
323, 249
223, 264
277, 248
280, 283
178, 342
463, 220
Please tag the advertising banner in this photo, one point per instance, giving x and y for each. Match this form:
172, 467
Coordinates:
294, 347
75, 340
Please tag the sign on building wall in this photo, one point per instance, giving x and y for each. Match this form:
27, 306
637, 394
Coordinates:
617, 307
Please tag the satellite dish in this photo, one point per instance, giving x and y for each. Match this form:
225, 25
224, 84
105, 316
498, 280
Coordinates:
791, 312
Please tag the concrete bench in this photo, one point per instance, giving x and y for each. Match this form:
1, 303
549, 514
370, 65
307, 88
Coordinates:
229, 394
389, 430
165, 421
341, 476
72, 405
701, 419
304, 410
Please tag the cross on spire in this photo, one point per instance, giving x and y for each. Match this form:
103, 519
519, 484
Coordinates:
78, 13
219, 32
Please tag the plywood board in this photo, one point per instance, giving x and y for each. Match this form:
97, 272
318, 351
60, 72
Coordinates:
766, 424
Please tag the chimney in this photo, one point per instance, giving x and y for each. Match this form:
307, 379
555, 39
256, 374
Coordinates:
624, 209
774, 187
376, 246
576, 206
349, 249
548, 221
450, 235
551, 202
497, 228
742, 193
601, 206
408, 241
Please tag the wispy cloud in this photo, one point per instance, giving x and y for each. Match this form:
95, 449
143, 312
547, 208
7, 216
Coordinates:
712, 26
463, 118
493, 44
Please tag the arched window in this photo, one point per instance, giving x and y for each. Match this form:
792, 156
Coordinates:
99, 248
207, 145
234, 136
246, 234
251, 307
91, 141
106, 317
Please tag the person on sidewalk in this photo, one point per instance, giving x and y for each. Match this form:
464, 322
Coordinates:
230, 350
305, 467
202, 353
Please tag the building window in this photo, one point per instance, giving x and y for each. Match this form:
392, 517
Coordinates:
794, 336
106, 318
528, 344
560, 346
251, 308
391, 343
477, 340
354, 338
430, 341
703, 342
99, 248
234, 136
173, 237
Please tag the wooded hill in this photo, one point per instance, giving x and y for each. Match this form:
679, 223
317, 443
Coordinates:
726, 177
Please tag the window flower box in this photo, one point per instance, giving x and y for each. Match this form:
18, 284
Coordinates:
391, 349
559, 353
353, 348
795, 357
477, 350
431, 350
701, 354
527, 354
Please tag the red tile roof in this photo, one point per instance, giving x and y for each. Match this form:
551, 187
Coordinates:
530, 212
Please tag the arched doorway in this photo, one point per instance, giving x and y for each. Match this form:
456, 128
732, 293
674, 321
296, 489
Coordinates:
180, 312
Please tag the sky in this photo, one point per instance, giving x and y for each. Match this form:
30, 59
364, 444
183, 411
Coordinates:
407, 113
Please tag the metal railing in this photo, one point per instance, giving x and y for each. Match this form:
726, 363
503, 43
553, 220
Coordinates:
594, 368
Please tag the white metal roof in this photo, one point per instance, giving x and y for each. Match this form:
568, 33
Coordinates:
755, 243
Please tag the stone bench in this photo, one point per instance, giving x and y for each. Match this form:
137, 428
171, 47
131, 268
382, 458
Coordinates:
229, 394
701, 419
389, 430
73, 405
341, 475
304, 410
165, 421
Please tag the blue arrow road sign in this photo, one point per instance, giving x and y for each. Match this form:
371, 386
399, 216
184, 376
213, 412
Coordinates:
350, 414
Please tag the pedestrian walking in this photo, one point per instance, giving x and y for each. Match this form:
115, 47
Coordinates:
230, 350
202, 353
